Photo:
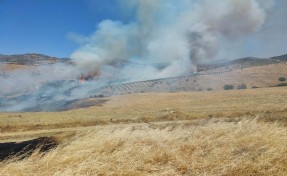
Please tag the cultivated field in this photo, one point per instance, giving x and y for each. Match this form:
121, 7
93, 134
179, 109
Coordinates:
238, 132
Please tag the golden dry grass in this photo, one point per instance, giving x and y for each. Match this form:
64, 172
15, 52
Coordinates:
211, 147
271, 103
199, 133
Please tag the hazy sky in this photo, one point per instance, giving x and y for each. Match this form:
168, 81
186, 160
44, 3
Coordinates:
52, 26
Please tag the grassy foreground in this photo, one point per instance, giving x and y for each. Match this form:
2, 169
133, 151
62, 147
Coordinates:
239, 132
212, 147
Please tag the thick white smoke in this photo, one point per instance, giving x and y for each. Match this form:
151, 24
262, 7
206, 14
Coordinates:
179, 34
31, 79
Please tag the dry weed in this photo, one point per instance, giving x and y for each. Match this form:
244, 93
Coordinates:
216, 147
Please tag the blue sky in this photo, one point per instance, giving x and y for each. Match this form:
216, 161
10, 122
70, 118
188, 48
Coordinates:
41, 26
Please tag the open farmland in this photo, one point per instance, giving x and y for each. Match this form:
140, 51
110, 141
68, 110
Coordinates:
187, 125
196, 133
151, 107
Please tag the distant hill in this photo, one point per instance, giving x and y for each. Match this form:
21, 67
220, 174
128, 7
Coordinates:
282, 57
34, 59
244, 62
31, 59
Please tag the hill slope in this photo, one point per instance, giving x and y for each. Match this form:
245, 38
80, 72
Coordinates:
252, 76
30, 59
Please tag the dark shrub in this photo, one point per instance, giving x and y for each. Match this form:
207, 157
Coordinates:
209, 89
228, 87
100, 95
281, 85
282, 79
242, 86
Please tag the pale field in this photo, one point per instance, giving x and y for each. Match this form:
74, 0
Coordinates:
238, 132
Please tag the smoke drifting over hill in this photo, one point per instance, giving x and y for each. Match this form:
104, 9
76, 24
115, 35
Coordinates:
180, 34
162, 38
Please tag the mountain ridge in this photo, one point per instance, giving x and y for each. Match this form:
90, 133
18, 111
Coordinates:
31, 59
41, 59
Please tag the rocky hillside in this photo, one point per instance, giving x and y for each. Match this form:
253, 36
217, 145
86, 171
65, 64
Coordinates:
282, 57
244, 62
30, 59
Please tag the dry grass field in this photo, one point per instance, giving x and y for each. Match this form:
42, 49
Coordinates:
151, 107
238, 132
211, 147
13, 67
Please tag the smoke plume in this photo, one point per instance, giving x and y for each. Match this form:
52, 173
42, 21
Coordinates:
178, 34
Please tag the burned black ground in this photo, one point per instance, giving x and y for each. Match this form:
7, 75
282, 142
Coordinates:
21, 150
